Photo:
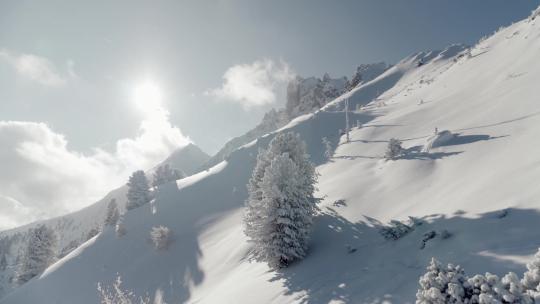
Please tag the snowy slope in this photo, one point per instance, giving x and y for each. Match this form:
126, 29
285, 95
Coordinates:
73, 229
481, 186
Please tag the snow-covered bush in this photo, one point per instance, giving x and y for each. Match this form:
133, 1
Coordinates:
450, 285
328, 150
112, 215
531, 278
280, 205
394, 149
120, 229
39, 253
116, 295
138, 190
165, 174
161, 237
441, 285
395, 230
489, 289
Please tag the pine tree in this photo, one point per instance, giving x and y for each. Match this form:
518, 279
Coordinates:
138, 190
394, 149
165, 174
328, 150
281, 204
39, 254
112, 214
3, 262
357, 79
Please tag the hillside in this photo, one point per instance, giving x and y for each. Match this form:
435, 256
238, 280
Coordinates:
75, 228
481, 186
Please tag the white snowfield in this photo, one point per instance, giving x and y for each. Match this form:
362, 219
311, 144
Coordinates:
481, 186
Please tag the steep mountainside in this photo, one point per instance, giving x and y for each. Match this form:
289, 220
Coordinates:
76, 228
475, 194
304, 95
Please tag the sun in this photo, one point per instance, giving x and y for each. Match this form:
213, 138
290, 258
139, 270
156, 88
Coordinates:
147, 96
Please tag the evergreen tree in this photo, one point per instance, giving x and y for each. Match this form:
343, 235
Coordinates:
357, 78
112, 213
138, 190
39, 254
165, 174
328, 150
394, 149
3, 263
281, 204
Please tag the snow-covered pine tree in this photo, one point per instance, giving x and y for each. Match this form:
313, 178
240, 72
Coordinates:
357, 78
3, 262
120, 229
328, 150
112, 214
281, 204
39, 253
441, 285
138, 190
164, 174
394, 149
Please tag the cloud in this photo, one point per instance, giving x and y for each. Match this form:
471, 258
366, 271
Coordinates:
253, 84
42, 178
36, 68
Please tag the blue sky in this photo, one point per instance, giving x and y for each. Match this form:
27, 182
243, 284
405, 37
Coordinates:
70, 70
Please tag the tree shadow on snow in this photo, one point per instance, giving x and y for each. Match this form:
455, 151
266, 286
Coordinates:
469, 139
378, 270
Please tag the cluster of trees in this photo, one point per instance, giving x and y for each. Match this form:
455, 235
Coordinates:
450, 285
39, 253
281, 203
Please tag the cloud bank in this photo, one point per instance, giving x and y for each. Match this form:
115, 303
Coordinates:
252, 85
41, 177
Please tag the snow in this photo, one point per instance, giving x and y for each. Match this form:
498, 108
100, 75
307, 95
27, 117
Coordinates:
481, 186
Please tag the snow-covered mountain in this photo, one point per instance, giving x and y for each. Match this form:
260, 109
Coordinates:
475, 194
304, 95
188, 159
76, 228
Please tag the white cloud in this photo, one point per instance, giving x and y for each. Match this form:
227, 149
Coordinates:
253, 84
36, 68
41, 177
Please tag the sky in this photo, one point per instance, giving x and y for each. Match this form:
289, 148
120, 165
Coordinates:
92, 90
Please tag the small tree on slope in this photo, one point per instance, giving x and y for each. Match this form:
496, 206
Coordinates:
39, 254
281, 204
112, 214
165, 174
394, 149
138, 190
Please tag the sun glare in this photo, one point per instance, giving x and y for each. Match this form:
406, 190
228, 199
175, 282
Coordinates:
147, 96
